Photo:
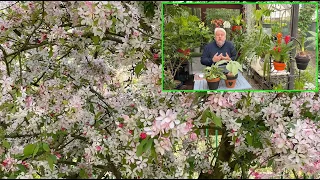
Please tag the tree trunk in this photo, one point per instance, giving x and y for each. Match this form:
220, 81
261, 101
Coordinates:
224, 155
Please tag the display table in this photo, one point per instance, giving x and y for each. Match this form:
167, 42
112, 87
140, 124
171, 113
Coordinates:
273, 72
201, 83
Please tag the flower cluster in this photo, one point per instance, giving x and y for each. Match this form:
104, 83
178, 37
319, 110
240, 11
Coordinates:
226, 24
280, 51
217, 22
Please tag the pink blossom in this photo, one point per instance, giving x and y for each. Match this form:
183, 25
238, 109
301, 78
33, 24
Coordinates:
257, 175
279, 142
26, 165
143, 135
28, 101
155, 56
163, 145
120, 125
238, 141
136, 33
89, 4
154, 129
168, 117
193, 136
43, 37
8, 163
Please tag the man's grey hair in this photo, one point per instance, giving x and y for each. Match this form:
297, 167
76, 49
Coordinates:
220, 29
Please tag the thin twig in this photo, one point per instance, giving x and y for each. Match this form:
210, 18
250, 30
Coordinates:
263, 163
141, 31
20, 68
5, 55
30, 35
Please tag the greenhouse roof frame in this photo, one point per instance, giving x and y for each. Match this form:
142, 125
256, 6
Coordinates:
216, 6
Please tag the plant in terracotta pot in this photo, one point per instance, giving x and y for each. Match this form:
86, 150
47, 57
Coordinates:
233, 68
237, 22
213, 75
280, 52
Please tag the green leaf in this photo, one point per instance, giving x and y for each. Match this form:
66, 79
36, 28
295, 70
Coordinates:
216, 120
139, 151
5, 144
50, 162
12, 176
148, 145
140, 147
65, 102
236, 167
139, 68
249, 139
83, 174
62, 41
6, 105
98, 115
51, 51
36, 149
270, 162
52, 159
45, 147
28, 150
96, 39
91, 108
154, 154
22, 168
205, 114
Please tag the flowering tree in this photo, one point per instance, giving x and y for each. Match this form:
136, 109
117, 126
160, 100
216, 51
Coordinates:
81, 98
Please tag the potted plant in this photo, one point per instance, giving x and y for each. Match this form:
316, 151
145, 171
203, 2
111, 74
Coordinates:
302, 58
280, 52
307, 11
213, 75
233, 68
237, 21
182, 34
263, 46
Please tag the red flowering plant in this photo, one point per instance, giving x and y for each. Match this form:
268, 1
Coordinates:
280, 50
217, 22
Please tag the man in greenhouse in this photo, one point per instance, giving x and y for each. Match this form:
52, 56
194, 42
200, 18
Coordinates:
219, 49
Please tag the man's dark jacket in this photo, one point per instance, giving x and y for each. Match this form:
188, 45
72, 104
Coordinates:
211, 49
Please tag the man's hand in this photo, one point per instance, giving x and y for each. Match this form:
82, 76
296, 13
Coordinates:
226, 57
216, 58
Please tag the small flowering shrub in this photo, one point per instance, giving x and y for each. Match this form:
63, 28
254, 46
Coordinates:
280, 51
181, 34
217, 22
81, 98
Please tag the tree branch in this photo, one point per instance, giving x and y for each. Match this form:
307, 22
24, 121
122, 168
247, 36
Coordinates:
102, 99
264, 162
142, 32
36, 83
75, 163
30, 35
16, 135
20, 68
5, 55
27, 48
